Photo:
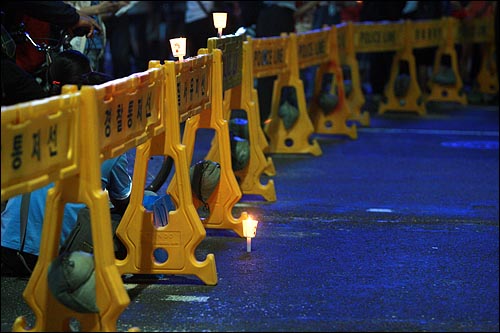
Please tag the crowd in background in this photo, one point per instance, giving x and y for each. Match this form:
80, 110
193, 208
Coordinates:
133, 32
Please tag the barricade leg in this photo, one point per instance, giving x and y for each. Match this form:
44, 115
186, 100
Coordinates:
355, 97
410, 100
227, 193
295, 140
487, 78
182, 233
270, 169
111, 297
332, 121
249, 177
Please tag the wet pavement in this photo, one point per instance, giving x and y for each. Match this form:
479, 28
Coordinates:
394, 231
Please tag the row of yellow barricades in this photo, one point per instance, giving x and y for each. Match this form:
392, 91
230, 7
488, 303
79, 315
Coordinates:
404, 37
337, 46
73, 133
64, 139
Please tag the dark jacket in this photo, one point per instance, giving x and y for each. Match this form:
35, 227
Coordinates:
382, 10
55, 12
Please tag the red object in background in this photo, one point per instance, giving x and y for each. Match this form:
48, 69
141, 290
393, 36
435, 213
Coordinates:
351, 12
27, 56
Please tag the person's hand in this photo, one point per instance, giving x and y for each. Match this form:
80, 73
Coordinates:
86, 26
111, 7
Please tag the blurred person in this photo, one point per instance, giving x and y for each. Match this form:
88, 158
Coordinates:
174, 12
326, 13
424, 57
18, 255
20, 59
199, 25
379, 63
95, 48
275, 18
142, 23
17, 84
43, 20
470, 58
118, 41
249, 11
350, 10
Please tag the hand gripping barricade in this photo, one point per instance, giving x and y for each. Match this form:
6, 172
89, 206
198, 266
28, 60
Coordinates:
46, 141
347, 56
238, 91
183, 231
277, 56
319, 47
199, 89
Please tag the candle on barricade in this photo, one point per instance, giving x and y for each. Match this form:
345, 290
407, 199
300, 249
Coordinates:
178, 46
220, 20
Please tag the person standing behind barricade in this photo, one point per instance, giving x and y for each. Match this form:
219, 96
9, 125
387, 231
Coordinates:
274, 18
199, 25
424, 57
174, 12
141, 24
19, 254
470, 60
95, 48
118, 37
379, 63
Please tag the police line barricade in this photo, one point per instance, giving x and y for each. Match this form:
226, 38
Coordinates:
52, 135
277, 56
175, 242
238, 89
446, 59
199, 82
40, 144
253, 101
347, 56
387, 36
319, 47
482, 32
401, 96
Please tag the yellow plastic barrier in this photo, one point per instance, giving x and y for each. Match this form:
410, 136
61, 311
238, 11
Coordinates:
414, 35
238, 89
487, 78
319, 47
278, 56
129, 111
378, 37
452, 92
347, 55
56, 120
39, 144
206, 113
184, 231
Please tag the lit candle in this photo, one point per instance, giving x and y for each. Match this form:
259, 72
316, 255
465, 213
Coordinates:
178, 46
220, 21
249, 231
